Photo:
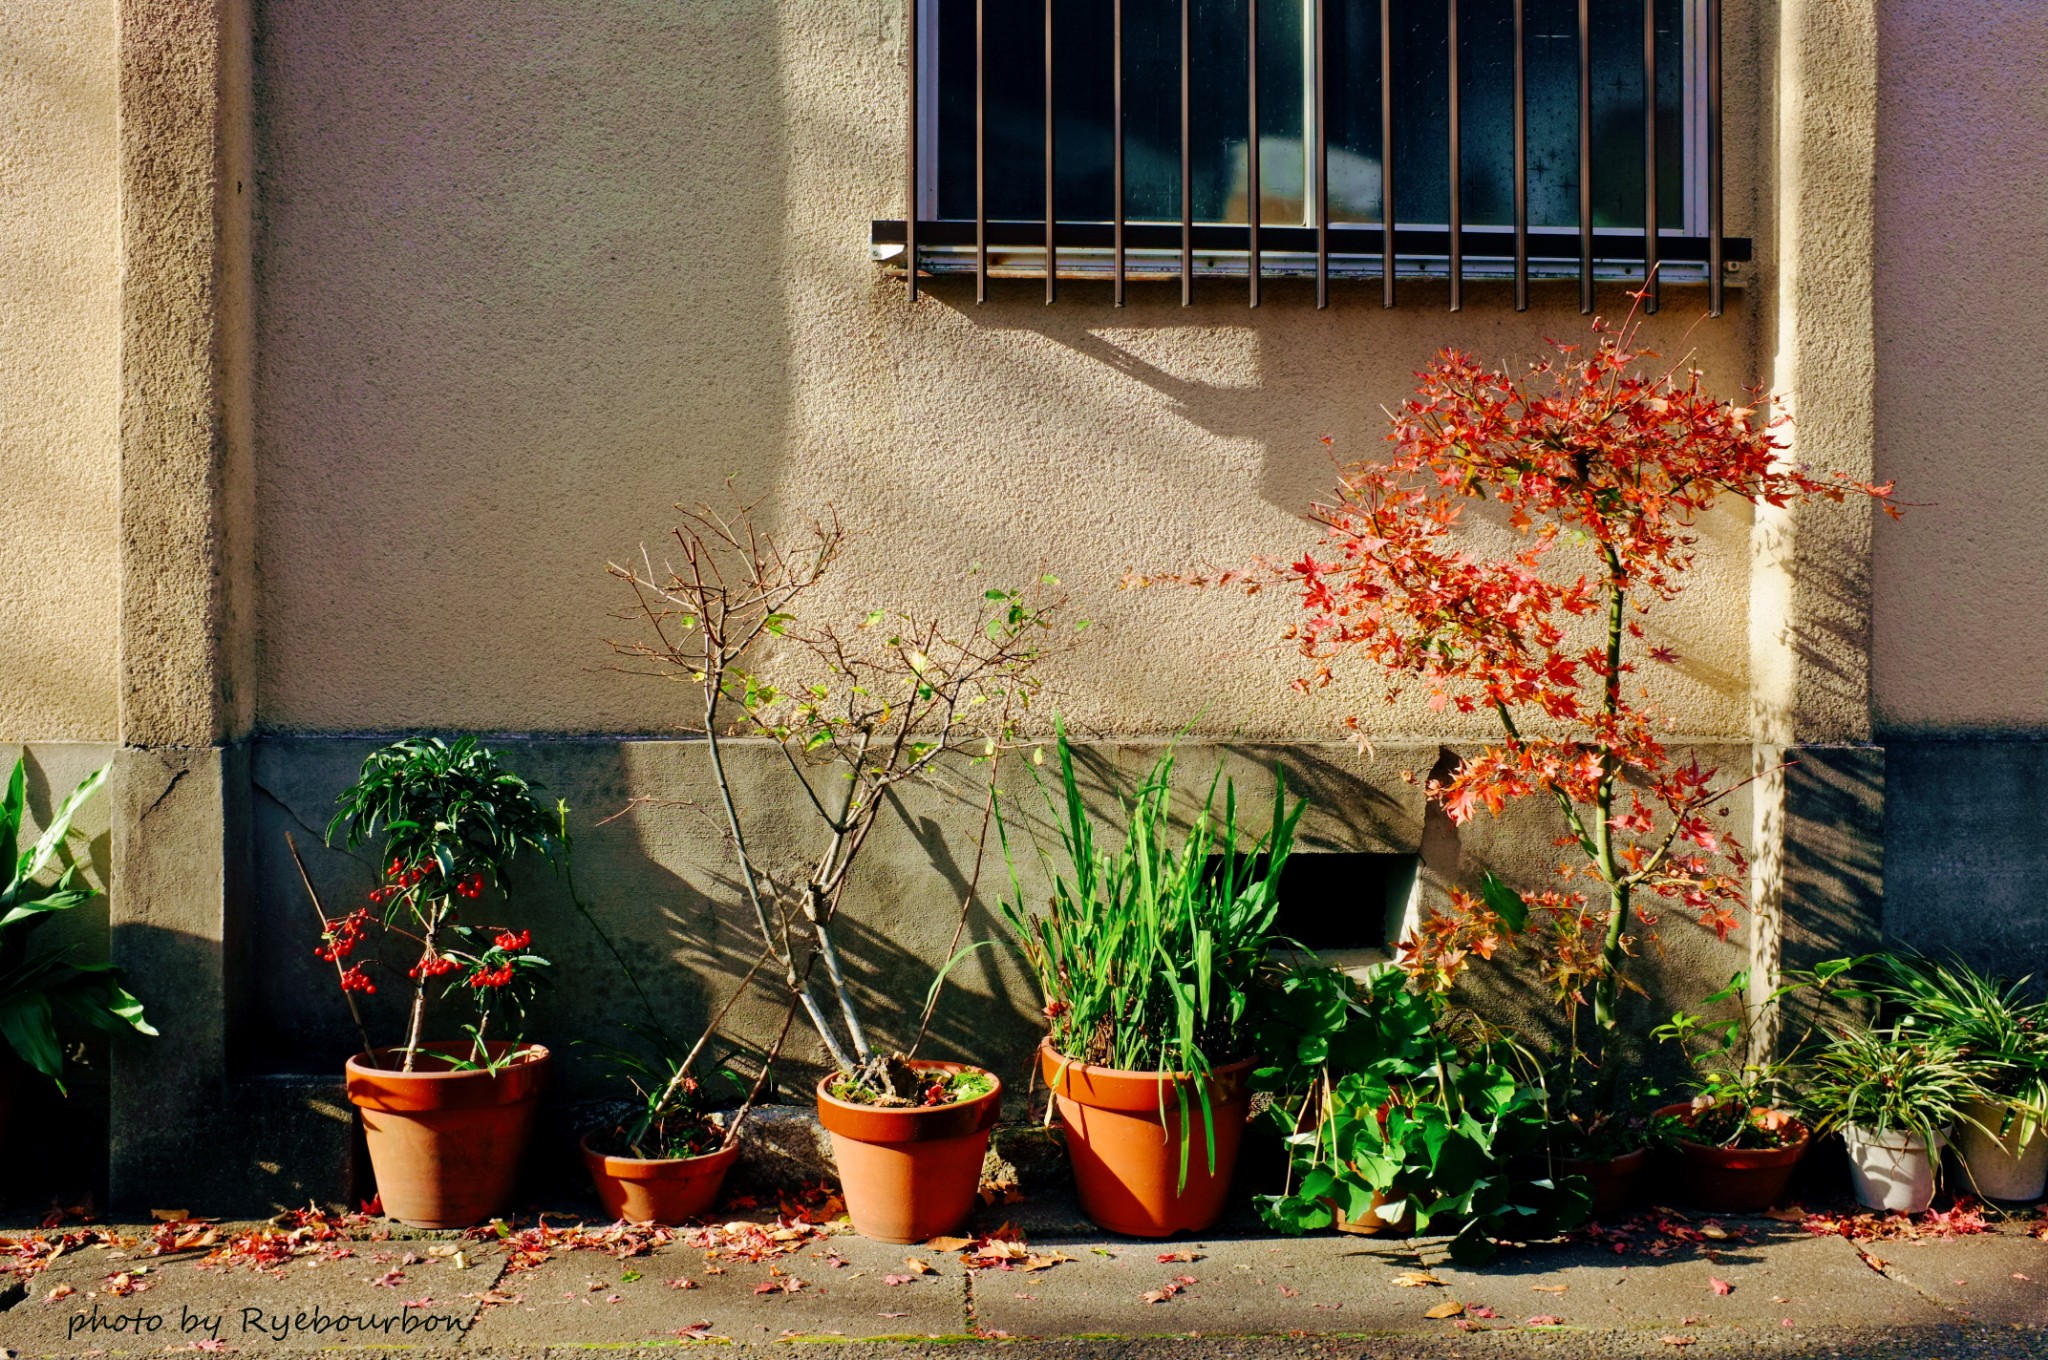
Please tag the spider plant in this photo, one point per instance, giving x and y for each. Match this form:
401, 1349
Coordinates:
1998, 1022
1891, 1079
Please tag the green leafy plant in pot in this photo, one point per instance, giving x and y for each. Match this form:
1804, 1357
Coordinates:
1146, 954
47, 994
1399, 1111
857, 710
447, 1123
2002, 1135
1895, 1093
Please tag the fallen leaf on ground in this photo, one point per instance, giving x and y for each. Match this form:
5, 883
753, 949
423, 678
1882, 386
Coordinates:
892, 1315
1287, 1293
1415, 1279
1791, 1213
897, 1279
1720, 1286
1678, 1340
697, 1331
1182, 1255
2028, 1278
390, 1278
949, 1243
917, 1267
1544, 1320
170, 1215
1480, 1310
1549, 1288
1047, 1260
62, 1291
1167, 1290
683, 1282
1448, 1308
1103, 1251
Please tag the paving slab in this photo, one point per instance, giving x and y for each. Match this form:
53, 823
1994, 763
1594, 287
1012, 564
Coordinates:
1776, 1280
834, 1289
391, 1295
1999, 1278
1232, 1287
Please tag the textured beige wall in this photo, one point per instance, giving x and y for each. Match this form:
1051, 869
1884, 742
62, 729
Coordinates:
1962, 232
529, 274
59, 356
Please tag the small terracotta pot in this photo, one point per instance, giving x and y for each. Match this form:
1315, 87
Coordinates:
667, 1190
1611, 1179
1124, 1142
1735, 1180
1372, 1224
446, 1144
910, 1173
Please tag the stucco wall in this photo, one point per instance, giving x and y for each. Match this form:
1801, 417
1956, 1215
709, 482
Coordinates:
529, 274
1961, 233
59, 376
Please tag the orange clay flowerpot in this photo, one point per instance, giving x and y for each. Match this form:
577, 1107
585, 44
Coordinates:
1735, 1180
445, 1143
658, 1190
910, 1173
1611, 1180
1124, 1141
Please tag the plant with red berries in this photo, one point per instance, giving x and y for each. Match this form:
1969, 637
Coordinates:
451, 821
1600, 468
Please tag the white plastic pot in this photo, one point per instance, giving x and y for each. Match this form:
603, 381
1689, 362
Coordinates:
2011, 1167
1892, 1169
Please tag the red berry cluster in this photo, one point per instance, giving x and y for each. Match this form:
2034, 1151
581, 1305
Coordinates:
400, 877
434, 965
472, 886
509, 942
340, 939
500, 976
354, 979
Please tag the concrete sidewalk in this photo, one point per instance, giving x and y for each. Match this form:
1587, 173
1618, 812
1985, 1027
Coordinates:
1664, 1285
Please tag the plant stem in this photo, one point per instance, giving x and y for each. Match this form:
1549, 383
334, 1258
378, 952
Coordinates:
1607, 987
369, 1050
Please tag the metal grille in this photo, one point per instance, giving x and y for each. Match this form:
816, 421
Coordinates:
1255, 251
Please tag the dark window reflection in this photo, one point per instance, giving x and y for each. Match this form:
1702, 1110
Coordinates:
1083, 95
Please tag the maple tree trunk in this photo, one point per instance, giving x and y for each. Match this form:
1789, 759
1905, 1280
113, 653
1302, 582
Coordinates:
1607, 989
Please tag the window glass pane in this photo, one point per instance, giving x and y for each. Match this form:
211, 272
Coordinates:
1083, 96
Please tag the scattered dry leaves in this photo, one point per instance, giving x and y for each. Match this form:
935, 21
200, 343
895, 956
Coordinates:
1447, 1309
1167, 1290
1966, 1219
1416, 1279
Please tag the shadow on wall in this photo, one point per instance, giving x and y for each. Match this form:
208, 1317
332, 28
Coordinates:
516, 295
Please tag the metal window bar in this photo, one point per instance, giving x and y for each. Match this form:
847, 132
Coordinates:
1052, 245
1389, 241
1650, 156
1187, 166
1256, 186
1456, 175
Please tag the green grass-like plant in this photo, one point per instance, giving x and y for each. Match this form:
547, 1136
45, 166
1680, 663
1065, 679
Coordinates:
1997, 1022
1147, 950
1892, 1079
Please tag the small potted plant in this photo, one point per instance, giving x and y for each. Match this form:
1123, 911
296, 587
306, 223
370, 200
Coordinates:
1145, 956
859, 712
1738, 1140
667, 1161
46, 993
447, 1122
2002, 1135
1895, 1093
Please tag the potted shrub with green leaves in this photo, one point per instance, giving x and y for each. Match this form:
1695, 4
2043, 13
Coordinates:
47, 994
1895, 1093
667, 1160
1596, 465
1400, 1112
2002, 1133
857, 713
447, 1122
1146, 955
1737, 1142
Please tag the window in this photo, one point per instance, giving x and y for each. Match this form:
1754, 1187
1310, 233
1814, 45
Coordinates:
1343, 89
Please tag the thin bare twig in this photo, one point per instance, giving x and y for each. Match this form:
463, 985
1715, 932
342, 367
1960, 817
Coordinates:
327, 925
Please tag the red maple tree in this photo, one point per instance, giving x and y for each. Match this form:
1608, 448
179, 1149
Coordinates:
1602, 467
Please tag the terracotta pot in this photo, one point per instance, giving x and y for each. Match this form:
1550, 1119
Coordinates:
1124, 1141
1373, 1224
446, 1144
1735, 1180
1611, 1179
912, 1173
667, 1190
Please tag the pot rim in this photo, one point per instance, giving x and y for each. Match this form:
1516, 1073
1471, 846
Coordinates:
390, 1091
1796, 1145
1093, 1070
1894, 1140
912, 1123
621, 1167
530, 1055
